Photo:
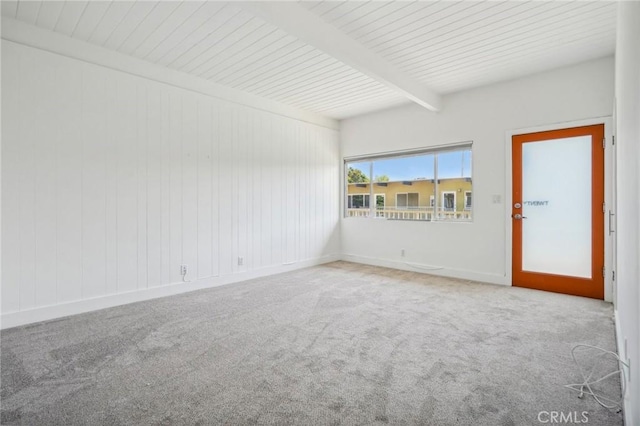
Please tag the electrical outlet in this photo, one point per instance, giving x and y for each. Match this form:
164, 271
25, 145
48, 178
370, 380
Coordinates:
401, 252
184, 269
240, 261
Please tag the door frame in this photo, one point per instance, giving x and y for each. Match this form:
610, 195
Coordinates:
609, 182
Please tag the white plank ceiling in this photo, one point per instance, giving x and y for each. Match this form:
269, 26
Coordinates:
455, 45
447, 45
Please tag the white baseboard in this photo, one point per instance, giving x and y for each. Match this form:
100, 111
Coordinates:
626, 409
44, 313
428, 269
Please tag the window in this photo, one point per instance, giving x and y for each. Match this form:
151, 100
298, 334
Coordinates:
359, 201
428, 184
380, 201
449, 201
408, 201
358, 189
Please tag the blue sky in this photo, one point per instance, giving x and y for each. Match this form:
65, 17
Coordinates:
450, 164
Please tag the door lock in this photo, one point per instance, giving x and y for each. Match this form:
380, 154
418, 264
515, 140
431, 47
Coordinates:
517, 205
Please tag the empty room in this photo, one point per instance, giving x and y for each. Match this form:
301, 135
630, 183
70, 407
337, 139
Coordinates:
320, 212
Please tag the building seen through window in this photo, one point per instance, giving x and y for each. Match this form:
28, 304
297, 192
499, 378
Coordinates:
430, 185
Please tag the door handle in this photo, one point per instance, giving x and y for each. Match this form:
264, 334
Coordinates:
518, 216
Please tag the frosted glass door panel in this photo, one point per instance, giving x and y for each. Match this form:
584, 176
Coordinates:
556, 206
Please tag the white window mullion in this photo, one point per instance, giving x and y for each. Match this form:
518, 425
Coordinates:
435, 188
371, 196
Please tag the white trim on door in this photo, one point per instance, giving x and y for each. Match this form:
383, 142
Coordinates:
609, 182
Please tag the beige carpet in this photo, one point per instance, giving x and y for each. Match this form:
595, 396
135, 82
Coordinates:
335, 344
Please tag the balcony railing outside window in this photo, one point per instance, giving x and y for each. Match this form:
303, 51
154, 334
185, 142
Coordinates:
411, 213
430, 185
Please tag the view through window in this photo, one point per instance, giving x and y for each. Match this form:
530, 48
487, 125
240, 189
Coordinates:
422, 185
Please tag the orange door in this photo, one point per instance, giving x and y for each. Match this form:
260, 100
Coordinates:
557, 211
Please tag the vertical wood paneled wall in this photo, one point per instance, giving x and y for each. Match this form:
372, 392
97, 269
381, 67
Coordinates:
110, 182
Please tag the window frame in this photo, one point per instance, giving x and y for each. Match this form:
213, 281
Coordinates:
364, 197
465, 147
384, 204
445, 209
408, 207
469, 206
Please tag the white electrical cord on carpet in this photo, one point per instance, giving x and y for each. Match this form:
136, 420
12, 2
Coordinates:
587, 381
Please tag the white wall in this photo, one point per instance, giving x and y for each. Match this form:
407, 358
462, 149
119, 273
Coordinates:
468, 250
111, 181
628, 221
